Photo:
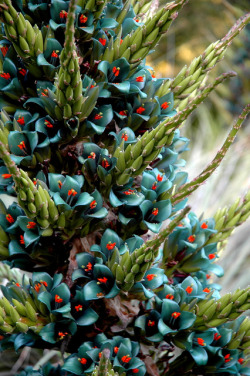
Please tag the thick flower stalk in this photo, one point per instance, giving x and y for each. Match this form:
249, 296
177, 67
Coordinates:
89, 166
135, 159
228, 218
191, 78
136, 47
35, 201
71, 105
211, 313
130, 268
26, 39
188, 188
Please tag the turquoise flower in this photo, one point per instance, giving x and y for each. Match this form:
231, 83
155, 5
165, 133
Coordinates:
66, 192
22, 146
9, 217
155, 213
173, 319
102, 286
49, 59
109, 241
80, 362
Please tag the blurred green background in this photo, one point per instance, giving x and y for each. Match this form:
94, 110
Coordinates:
200, 23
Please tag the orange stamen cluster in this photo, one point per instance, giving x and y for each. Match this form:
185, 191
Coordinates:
211, 256
102, 280
83, 19
123, 113
102, 41
22, 145
151, 323
227, 358
93, 204
39, 285
165, 105
72, 192
105, 163
6, 76
216, 336
169, 296
89, 267
31, 225
45, 93
201, 341
175, 315
54, 54
98, 116
110, 246
6, 176
129, 192
22, 72
140, 110
20, 120
150, 277
48, 124
4, 50
126, 359
58, 299
155, 211
62, 335
99, 295
206, 290
204, 225
63, 14
78, 307
191, 238
82, 360
92, 155
9, 218
189, 289
125, 136
116, 71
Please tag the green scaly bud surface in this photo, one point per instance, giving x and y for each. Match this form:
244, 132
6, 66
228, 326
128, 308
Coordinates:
71, 105
31, 198
191, 78
131, 268
104, 367
134, 160
136, 46
27, 39
17, 316
212, 313
188, 188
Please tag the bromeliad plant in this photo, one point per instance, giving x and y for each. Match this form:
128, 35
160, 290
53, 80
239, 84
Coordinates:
90, 146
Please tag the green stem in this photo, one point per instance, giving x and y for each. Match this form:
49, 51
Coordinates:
190, 187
